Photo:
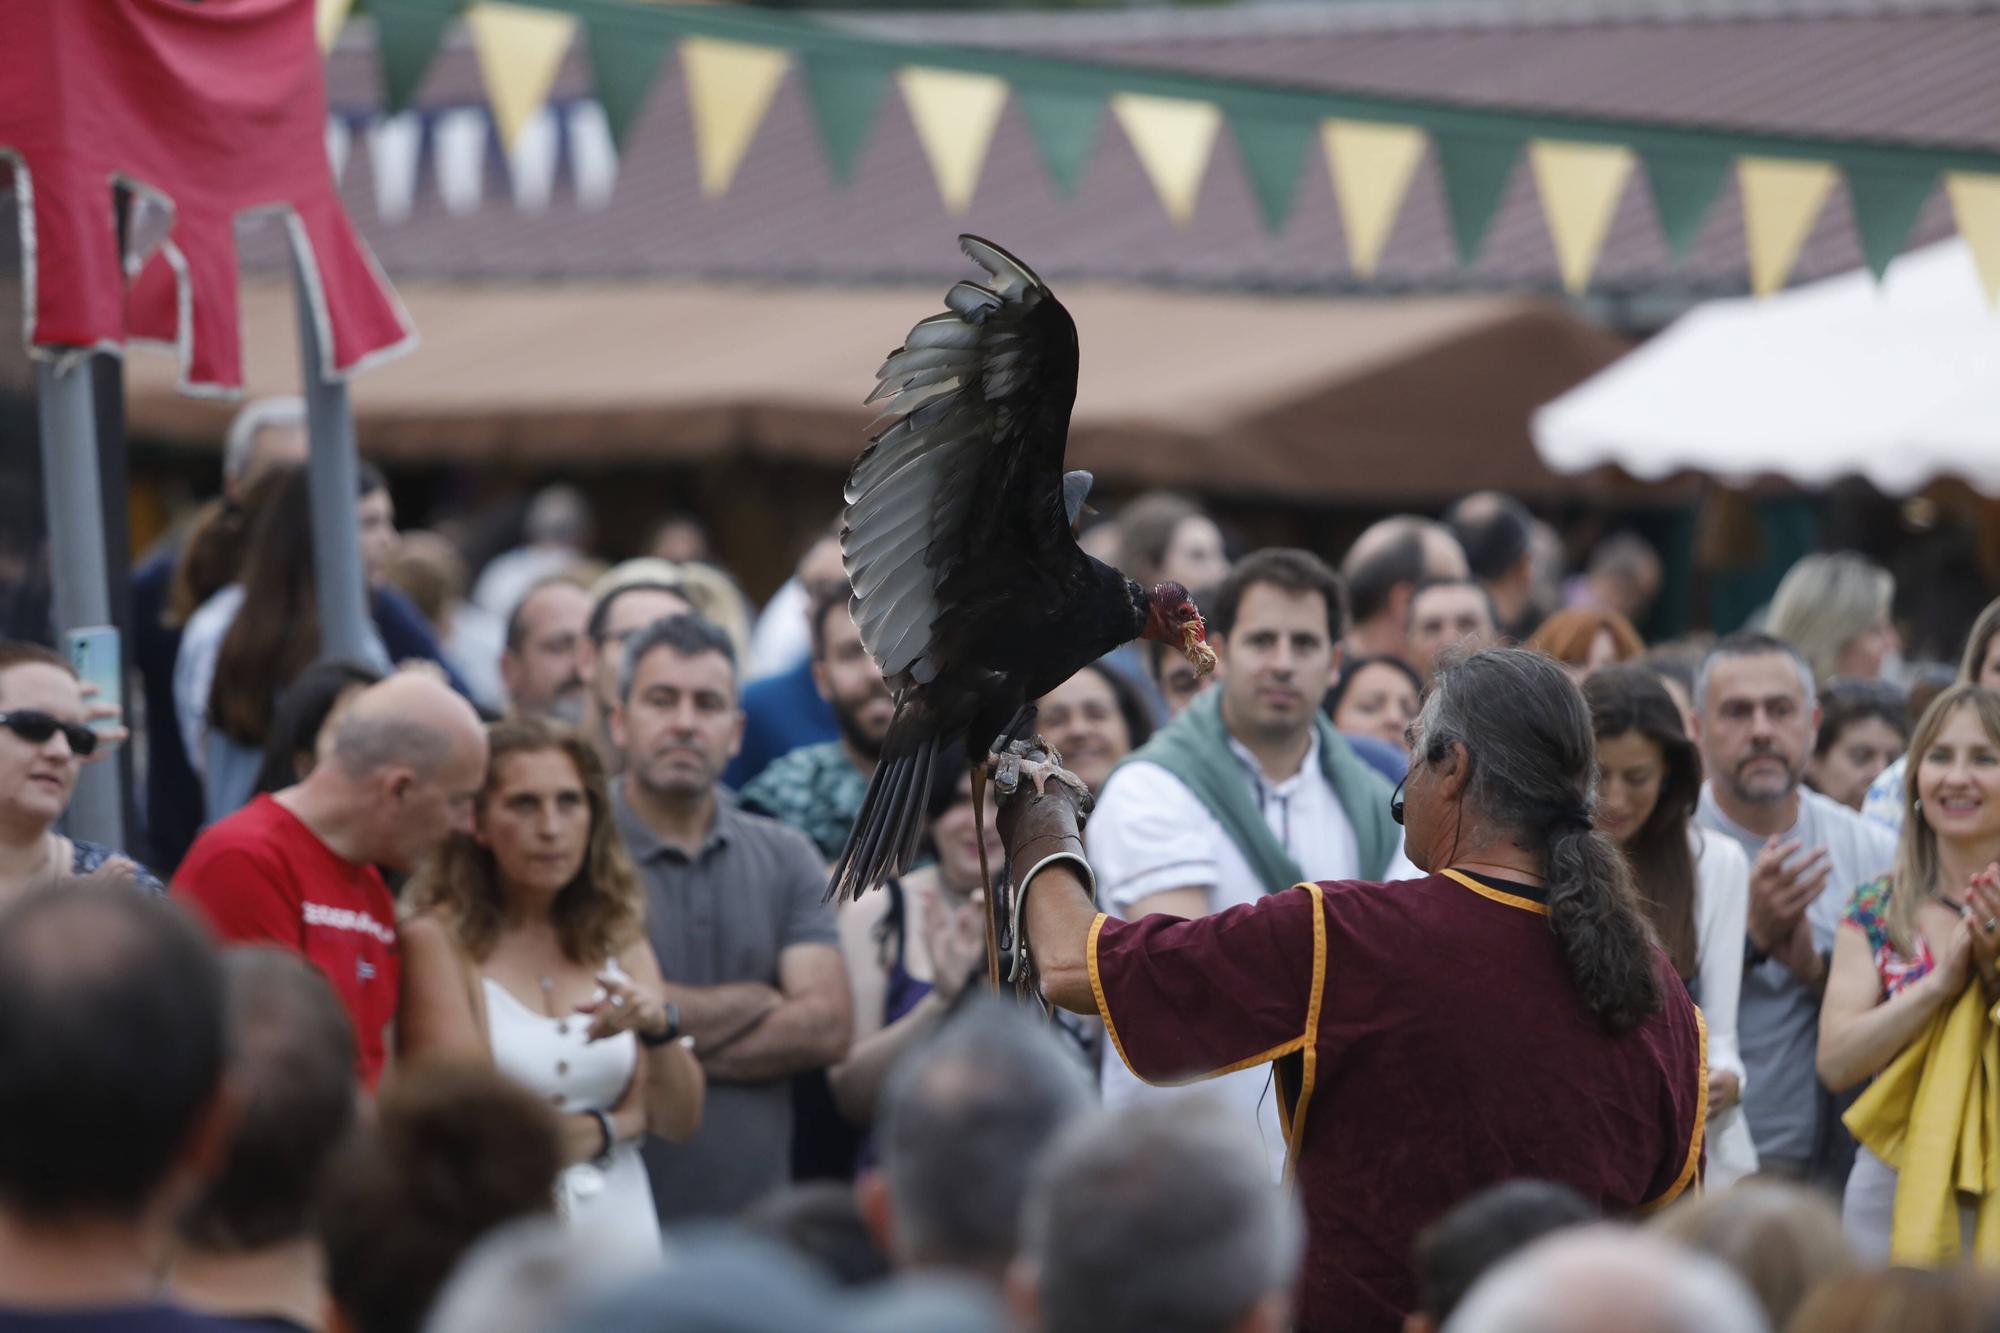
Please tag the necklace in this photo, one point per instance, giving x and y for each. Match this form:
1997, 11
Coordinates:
549, 1003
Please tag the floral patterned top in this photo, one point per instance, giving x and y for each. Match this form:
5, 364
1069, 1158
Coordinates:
1868, 912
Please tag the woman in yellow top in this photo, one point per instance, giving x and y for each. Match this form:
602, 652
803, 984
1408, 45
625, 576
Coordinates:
1910, 943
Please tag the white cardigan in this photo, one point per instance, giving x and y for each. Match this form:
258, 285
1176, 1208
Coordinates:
1721, 908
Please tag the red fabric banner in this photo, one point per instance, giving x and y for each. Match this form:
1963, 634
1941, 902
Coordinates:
208, 110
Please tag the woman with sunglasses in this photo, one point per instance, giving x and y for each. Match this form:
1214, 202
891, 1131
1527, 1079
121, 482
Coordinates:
45, 737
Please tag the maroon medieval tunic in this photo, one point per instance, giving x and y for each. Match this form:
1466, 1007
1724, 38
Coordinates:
1427, 1043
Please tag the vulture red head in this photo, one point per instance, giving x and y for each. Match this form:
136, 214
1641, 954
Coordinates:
1173, 619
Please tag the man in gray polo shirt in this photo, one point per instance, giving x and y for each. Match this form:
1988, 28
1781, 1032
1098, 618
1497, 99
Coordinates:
1756, 712
733, 909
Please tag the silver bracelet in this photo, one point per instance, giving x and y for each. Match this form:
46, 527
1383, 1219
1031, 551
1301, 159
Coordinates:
1020, 961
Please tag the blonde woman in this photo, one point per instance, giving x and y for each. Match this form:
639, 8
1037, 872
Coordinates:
525, 944
1835, 610
1910, 943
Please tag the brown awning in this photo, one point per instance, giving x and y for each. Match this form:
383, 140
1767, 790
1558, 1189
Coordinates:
1365, 401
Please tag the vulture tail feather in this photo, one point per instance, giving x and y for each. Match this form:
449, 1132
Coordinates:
890, 826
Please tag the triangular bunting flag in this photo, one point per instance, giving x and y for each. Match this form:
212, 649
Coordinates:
1975, 202
1684, 187
1886, 202
408, 35
955, 114
1580, 185
1064, 126
844, 97
1173, 137
1476, 169
1782, 198
624, 61
519, 49
329, 19
1273, 152
730, 86
1372, 166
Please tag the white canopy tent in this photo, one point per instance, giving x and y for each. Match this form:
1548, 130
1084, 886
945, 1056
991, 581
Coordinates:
1897, 382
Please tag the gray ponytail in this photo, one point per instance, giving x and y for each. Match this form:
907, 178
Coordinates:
1534, 769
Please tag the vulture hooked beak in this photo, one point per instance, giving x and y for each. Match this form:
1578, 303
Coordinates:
1173, 619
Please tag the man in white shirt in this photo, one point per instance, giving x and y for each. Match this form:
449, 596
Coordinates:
1247, 792
1756, 712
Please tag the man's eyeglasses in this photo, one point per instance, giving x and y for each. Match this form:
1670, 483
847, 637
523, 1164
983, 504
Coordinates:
34, 726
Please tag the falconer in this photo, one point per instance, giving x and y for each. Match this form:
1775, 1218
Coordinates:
1509, 1015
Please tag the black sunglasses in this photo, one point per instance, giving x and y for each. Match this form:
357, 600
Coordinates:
34, 726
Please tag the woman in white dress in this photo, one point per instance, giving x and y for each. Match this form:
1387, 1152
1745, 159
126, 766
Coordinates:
525, 943
1694, 889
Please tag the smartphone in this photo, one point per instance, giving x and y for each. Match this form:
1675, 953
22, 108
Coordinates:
94, 652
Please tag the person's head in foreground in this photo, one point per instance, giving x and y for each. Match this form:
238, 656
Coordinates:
112, 1093
1782, 1239
1863, 726
1466, 1243
455, 1152
1600, 1278
1835, 610
1503, 758
527, 1276
247, 1245
961, 1124
1162, 1217
721, 1280
1901, 1300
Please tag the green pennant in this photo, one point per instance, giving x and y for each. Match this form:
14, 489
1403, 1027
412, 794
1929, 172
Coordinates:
1475, 169
1273, 152
1886, 202
624, 61
1684, 187
408, 33
844, 97
1064, 126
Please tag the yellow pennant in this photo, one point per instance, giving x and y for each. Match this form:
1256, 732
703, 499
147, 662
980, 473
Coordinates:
519, 49
1975, 202
329, 18
1173, 137
1371, 166
955, 114
1580, 185
730, 87
1782, 198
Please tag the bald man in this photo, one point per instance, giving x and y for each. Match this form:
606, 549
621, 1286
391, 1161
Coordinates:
298, 869
1383, 569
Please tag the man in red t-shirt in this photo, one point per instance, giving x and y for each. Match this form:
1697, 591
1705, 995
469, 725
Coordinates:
298, 868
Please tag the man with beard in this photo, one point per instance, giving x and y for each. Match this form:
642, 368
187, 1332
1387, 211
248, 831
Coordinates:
1247, 792
1756, 713
540, 664
818, 789
735, 914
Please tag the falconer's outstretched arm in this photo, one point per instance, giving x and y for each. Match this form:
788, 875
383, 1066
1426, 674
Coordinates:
1041, 831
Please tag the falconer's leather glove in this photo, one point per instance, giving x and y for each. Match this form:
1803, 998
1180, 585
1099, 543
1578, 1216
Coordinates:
1039, 827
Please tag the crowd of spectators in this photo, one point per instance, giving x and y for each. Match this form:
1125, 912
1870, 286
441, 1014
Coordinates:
489, 982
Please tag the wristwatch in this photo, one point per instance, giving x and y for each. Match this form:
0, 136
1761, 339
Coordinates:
671, 1032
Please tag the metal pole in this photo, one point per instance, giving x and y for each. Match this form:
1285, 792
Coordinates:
73, 500
334, 481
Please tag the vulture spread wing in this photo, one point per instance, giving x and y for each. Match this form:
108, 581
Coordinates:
969, 471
